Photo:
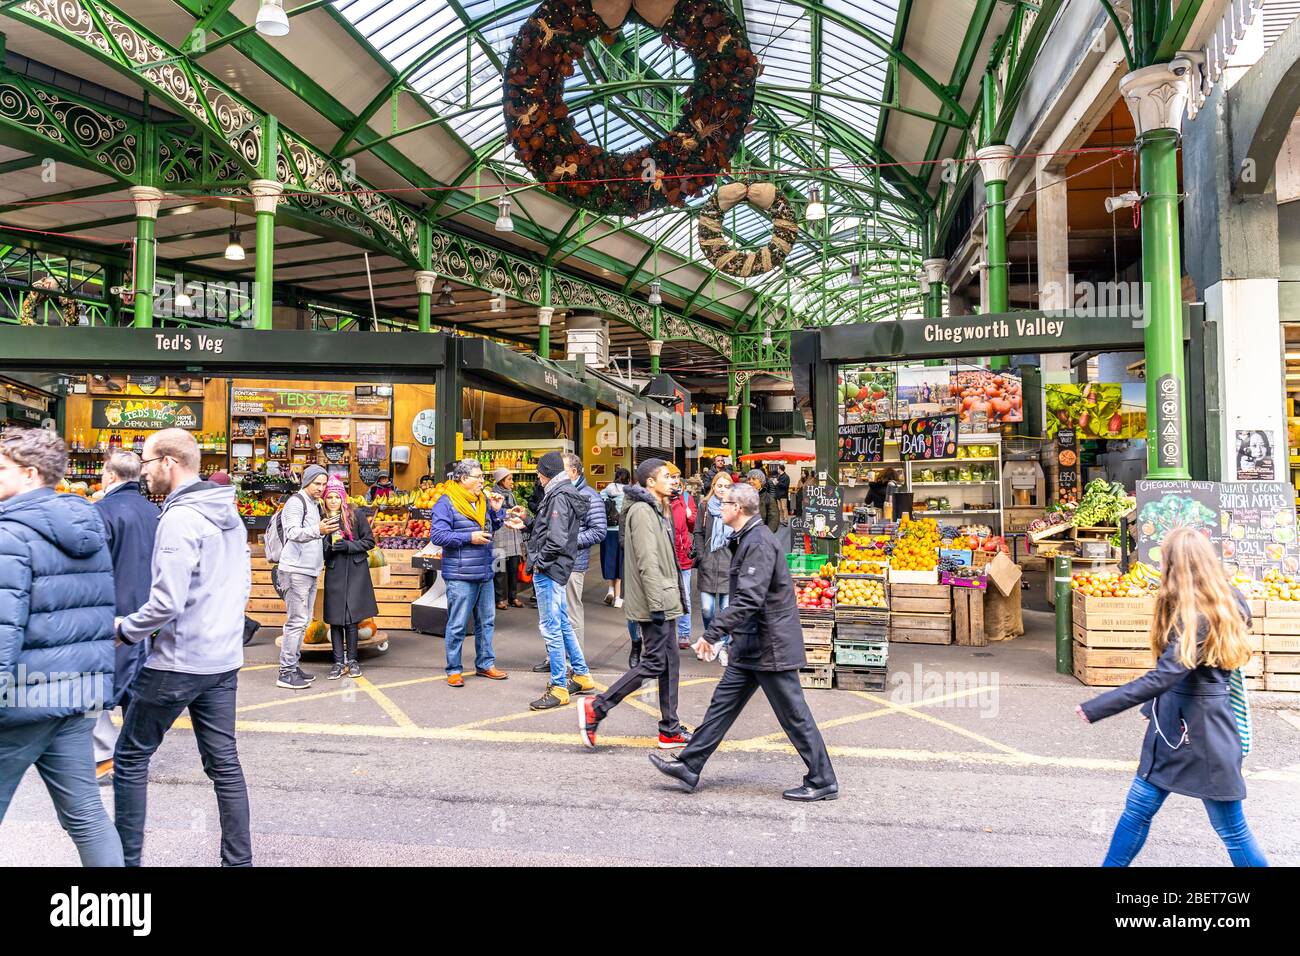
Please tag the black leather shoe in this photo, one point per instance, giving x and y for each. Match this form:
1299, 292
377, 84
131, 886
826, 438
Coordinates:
543, 668
677, 770
634, 655
809, 794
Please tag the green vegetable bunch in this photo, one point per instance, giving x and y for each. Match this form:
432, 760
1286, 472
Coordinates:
1102, 503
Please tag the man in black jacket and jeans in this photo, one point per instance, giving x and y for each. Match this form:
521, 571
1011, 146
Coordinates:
766, 651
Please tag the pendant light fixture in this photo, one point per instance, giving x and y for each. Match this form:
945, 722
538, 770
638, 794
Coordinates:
654, 298
234, 248
504, 223
446, 297
271, 21
815, 211
855, 273
498, 300
181, 300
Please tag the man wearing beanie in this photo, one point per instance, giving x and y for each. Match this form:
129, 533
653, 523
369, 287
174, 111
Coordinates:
299, 570
552, 547
652, 598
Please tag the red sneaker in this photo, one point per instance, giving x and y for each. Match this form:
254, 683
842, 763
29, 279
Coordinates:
675, 741
587, 722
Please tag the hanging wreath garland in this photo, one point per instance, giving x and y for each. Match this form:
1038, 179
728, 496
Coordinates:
734, 262
716, 111
67, 307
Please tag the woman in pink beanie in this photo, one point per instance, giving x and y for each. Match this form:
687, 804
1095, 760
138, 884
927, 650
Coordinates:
349, 594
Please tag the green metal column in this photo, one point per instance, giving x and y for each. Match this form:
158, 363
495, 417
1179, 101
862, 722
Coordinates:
266, 196
732, 409
1061, 573
934, 270
147, 200
425, 277
744, 419
656, 343
995, 165
1157, 116
544, 313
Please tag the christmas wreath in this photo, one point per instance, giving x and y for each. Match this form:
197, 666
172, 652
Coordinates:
715, 114
44, 289
765, 196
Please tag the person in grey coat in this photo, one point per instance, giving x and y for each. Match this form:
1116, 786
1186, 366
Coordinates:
590, 534
1194, 737
299, 569
201, 578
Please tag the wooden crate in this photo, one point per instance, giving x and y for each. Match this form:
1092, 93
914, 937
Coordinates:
1256, 642
920, 628
1106, 676
856, 631
1282, 609
1258, 607
913, 577
919, 591
1289, 683
861, 678
1289, 626
1282, 663
816, 677
1113, 614
1129, 658
1255, 666
1282, 643
818, 653
1128, 640
968, 615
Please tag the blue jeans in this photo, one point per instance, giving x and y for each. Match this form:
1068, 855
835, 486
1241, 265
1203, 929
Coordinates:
157, 699
634, 631
1145, 799
464, 598
61, 750
710, 606
557, 630
684, 622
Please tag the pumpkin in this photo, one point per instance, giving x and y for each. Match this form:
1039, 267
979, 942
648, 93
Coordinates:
317, 632
367, 629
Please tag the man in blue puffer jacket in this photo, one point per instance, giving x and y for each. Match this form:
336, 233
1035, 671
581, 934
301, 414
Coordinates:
56, 638
462, 524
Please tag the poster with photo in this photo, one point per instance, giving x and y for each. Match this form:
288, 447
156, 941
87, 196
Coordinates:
987, 397
1255, 455
1097, 410
925, 392
867, 394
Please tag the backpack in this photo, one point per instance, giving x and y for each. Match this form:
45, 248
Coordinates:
611, 513
273, 543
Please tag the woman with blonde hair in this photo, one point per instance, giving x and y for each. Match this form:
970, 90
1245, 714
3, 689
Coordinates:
1194, 738
713, 557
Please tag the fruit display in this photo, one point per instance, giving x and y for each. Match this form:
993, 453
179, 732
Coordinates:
375, 559
815, 594
417, 528
975, 530
996, 394
1102, 504
388, 529
863, 567
1280, 587
863, 547
1110, 584
977, 451
860, 592
401, 543
387, 513
868, 392
917, 545
424, 499
250, 506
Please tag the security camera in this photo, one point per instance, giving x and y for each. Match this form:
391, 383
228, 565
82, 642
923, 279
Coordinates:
1122, 201
118, 290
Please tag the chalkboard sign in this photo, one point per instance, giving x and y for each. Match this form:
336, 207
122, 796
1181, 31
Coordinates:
798, 526
928, 438
1067, 461
246, 427
1252, 523
862, 443
335, 452
823, 511
368, 472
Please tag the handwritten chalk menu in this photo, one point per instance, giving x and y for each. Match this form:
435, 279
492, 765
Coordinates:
1067, 461
1257, 527
862, 443
928, 438
823, 511
1251, 523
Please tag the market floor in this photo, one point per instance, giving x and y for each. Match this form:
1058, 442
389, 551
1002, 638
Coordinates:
970, 756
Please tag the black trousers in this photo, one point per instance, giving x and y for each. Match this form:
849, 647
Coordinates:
506, 583
344, 638
786, 697
660, 659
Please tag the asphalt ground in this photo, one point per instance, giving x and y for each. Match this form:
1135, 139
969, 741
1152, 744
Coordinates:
970, 756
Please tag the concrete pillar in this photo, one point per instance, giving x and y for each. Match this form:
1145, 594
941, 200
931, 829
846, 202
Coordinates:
1055, 285
147, 200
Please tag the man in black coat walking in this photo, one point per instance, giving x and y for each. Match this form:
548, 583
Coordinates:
766, 651
131, 523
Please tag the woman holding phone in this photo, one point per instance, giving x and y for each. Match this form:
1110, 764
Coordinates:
349, 593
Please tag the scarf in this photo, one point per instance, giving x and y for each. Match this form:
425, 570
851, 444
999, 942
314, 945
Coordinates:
719, 532
475, 509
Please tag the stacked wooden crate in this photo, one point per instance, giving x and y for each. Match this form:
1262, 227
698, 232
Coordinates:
920, 613
861, 645
396, 586
818, 643
1112, 643
1280, 665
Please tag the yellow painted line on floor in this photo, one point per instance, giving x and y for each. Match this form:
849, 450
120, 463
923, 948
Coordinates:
383, 700
567, 740
257, 667
298, 696
630, 699
633, 700
931, 719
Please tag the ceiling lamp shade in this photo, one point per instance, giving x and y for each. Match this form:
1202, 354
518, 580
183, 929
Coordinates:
182, 300
234, 249
446, 297
815, 211
271, 21
855, 273
655, 298
504, 223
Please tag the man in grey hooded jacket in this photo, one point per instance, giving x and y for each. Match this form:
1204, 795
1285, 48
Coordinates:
200, 583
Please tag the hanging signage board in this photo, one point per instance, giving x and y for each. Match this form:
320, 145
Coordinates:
923, 439
823, 511
862, 443
307, 403
1169, 422
148, 414
1067, 461
1251, 523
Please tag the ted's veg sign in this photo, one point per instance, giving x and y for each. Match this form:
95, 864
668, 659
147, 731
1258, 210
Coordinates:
307, 403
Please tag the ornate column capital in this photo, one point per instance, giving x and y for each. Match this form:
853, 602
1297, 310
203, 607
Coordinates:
995, 162
424, 280
266, 193
147, 200
656, 347
1157, 97
544, 315
934, 270
732, 411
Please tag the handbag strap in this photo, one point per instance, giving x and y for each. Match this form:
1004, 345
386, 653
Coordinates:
1241, 709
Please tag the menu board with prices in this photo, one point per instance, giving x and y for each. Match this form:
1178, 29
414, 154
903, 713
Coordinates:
923, 439
1067, 462
863, 443
823, 511
1252, 524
